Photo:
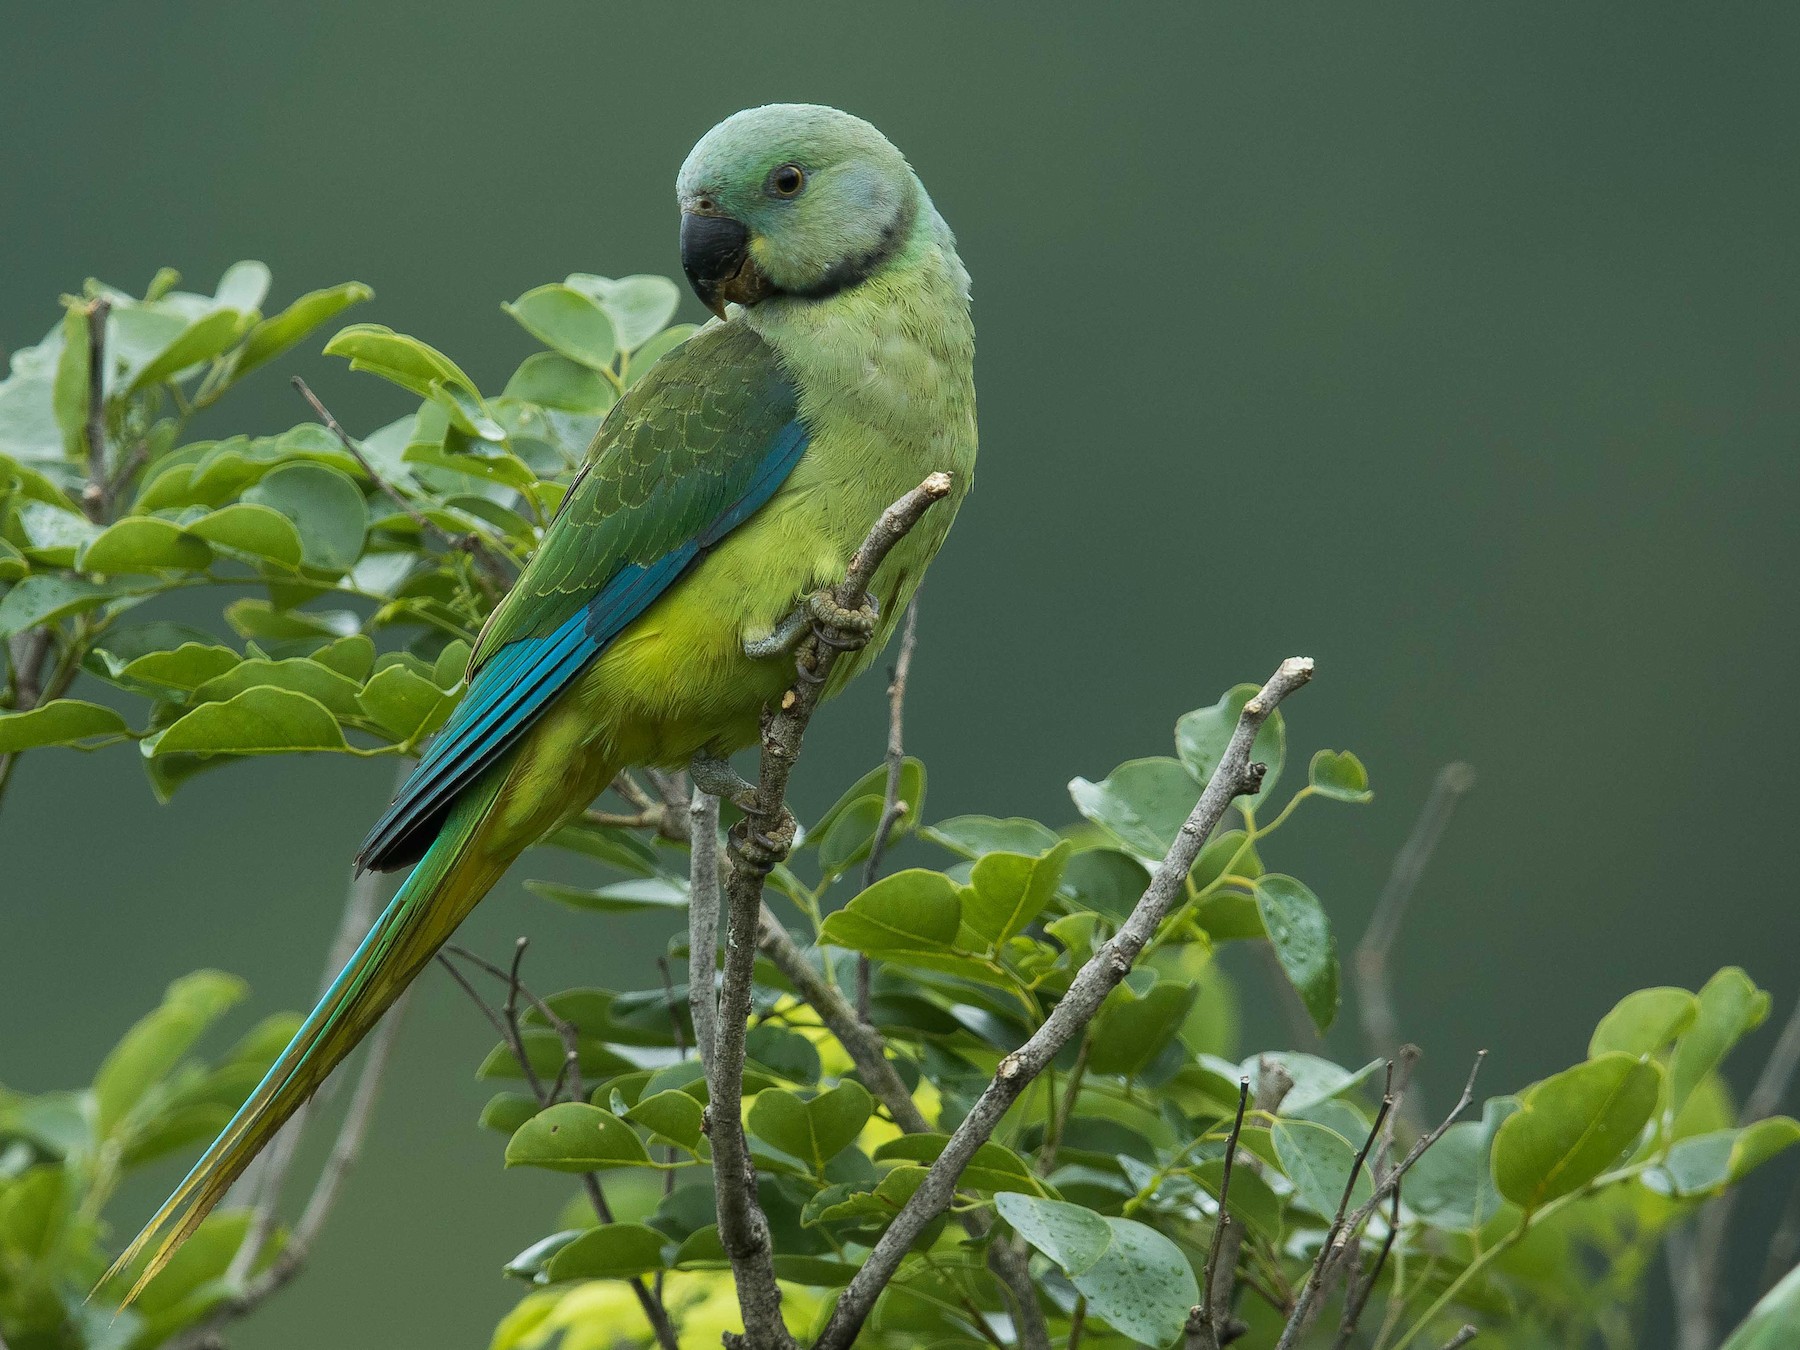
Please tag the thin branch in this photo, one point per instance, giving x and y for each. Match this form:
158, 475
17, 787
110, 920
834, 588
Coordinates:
1208, 1311
1318, 1276
1697, 1258
1469, 1332
505, 1021
494, 568
865, 1047
758, 842
1389, 1184
892, 808
703, 924
1375, 1000
95, 499
1101, 974
1361, 1287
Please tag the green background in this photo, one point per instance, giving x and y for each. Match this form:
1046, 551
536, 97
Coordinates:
1452, 345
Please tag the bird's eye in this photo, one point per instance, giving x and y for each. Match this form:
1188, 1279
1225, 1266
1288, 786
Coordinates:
787, 180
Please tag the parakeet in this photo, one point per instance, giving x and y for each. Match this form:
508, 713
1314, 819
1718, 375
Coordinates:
726, 487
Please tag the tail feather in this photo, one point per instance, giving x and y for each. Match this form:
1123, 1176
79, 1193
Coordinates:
455, 873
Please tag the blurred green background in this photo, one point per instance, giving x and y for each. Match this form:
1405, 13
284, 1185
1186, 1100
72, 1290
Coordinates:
1451, 345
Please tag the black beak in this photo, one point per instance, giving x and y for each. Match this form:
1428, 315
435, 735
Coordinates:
714, 250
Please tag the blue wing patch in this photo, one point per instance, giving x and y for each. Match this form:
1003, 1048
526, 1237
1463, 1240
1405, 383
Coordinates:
523, 678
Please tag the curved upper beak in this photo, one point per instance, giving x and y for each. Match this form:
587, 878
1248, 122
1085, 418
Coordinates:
715, 254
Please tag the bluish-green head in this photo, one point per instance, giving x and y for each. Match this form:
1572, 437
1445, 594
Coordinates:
791, 199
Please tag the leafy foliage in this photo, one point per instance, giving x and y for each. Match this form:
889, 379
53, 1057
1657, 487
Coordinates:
358, 576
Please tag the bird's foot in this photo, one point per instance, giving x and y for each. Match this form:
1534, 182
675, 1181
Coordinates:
845, 629
788, 632
714, 775
762, 849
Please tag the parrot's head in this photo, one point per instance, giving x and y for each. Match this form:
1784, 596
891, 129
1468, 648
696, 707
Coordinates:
791, 199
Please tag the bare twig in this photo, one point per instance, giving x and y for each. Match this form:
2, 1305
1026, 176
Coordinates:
757, 844
1102, 973
1375, 1000
1696, 1255
703, 924
1208, 1313
495, 567
1469, 1332
1337, 1236
95, 499
892, 808
1357, 1297
1388, 1184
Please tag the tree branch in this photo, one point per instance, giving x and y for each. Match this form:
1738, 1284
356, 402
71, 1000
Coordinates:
495, 567
1235, 776
757, 844
892, 808
703, 924
1374, 994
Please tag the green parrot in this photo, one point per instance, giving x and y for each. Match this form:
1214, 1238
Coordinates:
722, 496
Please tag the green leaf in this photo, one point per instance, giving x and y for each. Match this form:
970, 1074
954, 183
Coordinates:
255, 531
34, 1210
784, 1052
203, 339
613, 1251
140, 544
1133, 1278
992, 1168
1131, 1029
1571, 1127
244, 286
159, 1041
1007, 891
256, 722
553, 381
1318, 1160
1771, 1323
1142, 803
638, 306
672, 1114
39, 600
273, 336
575, 1137
621, 897
874, 784
1705, 1164
568, 322
1730, 1007
1644, 1022
533, 1263
851, 836
972, 836
52, 534
352, 657
63, 721
1073, 1237
268, 622
1301, 936
813, 1131
12, 562
296, 674
546, 1053
186, 667
1253, 1202
1340, 775
406, 706
1202, 736
1315, 1080
507, 1112
326, 507
910, 911
399, 359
